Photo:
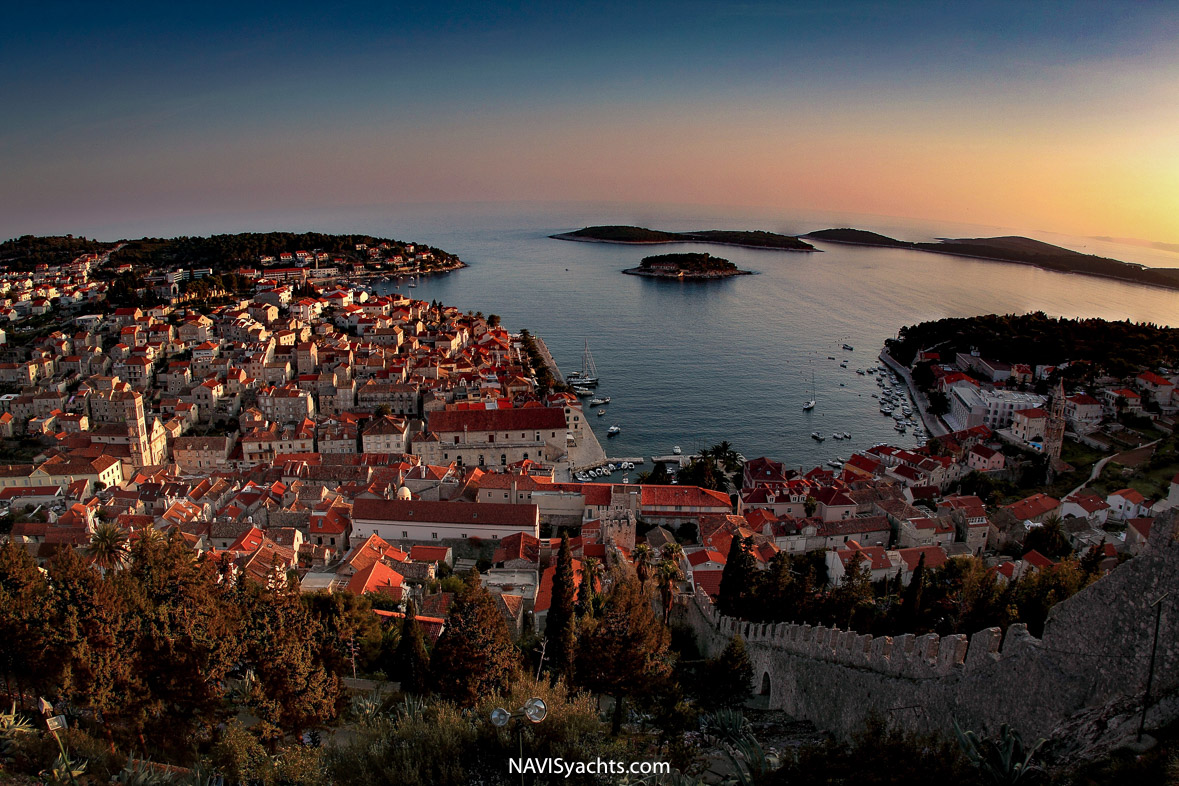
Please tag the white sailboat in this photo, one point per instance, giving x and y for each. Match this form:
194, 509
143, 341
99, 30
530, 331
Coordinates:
588, 376
807, 407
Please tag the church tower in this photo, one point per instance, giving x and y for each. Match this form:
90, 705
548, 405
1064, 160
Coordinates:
1054, 436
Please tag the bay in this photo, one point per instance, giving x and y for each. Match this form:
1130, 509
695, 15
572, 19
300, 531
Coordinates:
691, 364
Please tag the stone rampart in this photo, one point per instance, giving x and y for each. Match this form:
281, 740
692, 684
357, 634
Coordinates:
1095, 649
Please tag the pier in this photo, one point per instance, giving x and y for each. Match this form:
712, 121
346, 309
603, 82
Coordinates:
675, 458
548, 358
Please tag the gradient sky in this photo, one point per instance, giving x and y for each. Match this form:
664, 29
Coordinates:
1055, 116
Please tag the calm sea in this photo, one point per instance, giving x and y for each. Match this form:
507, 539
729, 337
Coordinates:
691, 364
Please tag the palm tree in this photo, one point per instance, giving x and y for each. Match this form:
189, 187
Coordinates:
668, 573
108, 546
673, 552
642, 557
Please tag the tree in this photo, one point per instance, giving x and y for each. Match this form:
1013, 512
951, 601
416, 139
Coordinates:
642, 557
474, 656
667, 574
939, 403
411, 662
291, 655
108, 546
736, 585
810, 506
728, 678
1049, 539
560, 625
24, 622
625, 652
854, 591
591, 573
911, 604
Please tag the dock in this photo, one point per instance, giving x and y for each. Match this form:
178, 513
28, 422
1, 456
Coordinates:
675, 458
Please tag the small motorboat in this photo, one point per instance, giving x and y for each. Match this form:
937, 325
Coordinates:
676, 450
848, 347
817, 436
613, 430
601, 412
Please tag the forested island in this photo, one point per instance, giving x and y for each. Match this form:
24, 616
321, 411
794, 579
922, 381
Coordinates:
724, 237
1021, 250
224, 252
686, 267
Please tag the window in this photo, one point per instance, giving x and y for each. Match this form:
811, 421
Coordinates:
404, 534
434, 535
464, 536
331, 540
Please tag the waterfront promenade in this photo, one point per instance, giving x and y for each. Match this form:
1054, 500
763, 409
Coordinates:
548, 358
935, 426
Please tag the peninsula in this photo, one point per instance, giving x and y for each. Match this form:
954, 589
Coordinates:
1020, 250
686, 267
722, 237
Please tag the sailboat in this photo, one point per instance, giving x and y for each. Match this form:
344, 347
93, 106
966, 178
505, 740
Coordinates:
807, 407
588, 376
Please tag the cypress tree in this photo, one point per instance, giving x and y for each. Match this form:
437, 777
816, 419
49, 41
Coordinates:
911, 603
411, 662
736, 586
560, 626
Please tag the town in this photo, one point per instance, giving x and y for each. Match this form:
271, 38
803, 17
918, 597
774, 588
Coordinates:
298, 430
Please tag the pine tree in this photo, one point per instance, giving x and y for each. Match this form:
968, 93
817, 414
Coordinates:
625, 652
560, 625
284, 645
736, 585
24, 622
474, 656
728, 677
411, 662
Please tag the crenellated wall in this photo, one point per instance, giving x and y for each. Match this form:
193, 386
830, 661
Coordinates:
1095, 648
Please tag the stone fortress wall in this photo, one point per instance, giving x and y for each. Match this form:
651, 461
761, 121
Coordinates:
1095, 650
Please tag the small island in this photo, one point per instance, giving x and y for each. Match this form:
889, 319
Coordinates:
723, 237
1015, 249
686, 267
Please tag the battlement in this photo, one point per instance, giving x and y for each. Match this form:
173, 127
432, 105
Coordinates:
918, 657
1094, 650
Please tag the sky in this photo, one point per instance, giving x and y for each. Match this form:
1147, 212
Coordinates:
1061, 117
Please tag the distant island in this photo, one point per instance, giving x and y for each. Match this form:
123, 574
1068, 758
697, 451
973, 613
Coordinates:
724, 237
690, 267
1020, 250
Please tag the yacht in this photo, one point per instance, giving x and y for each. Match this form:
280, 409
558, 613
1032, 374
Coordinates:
835, 463
848, 347
588, 376
900, 427
807, 407
836, 435
599, 401
847, 435
613, 430
817, 436
583, 392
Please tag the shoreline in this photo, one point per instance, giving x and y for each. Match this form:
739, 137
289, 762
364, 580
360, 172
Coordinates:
1087, 274
572, 238
636, 271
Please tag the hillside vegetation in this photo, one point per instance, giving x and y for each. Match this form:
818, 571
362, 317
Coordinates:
746, 238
